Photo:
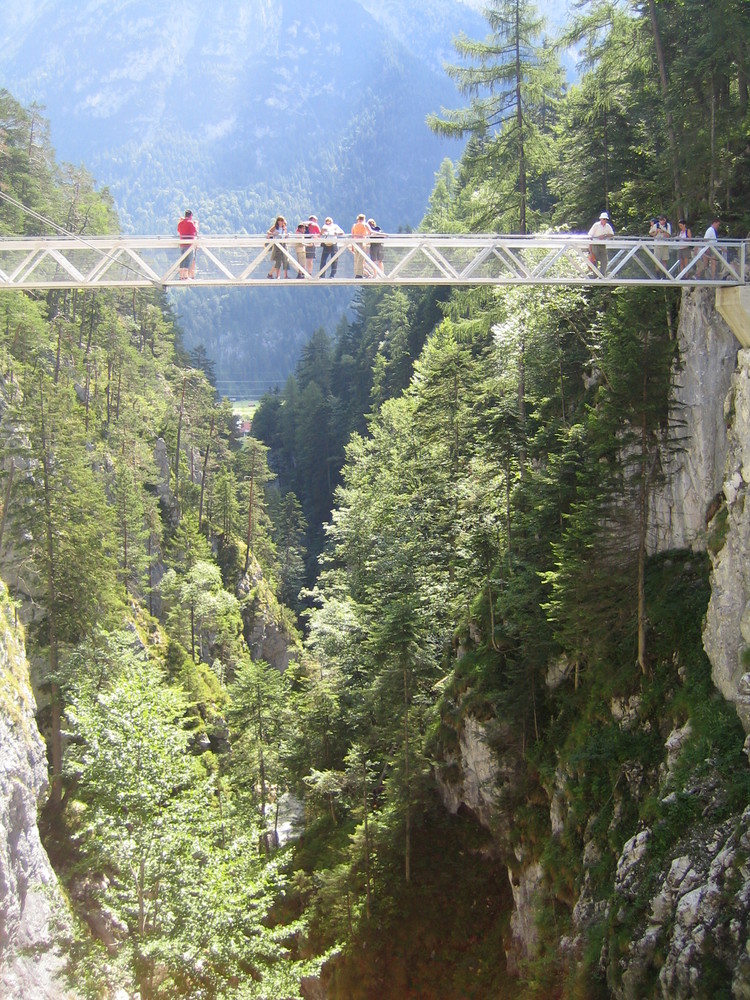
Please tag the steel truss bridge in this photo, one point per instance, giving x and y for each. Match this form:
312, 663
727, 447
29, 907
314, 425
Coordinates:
409, 259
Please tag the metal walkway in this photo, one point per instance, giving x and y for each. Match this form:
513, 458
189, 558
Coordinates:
413, 259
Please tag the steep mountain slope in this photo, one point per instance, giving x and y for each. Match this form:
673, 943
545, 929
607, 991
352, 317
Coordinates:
241, 111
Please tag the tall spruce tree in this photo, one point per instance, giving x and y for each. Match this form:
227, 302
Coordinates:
514, 83
63, 526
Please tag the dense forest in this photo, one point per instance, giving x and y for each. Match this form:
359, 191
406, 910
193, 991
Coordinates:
441, 521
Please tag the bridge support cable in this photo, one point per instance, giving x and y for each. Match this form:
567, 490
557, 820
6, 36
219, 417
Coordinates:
44, 262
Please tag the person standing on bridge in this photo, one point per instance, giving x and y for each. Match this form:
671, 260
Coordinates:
328, 239
711, 236
313, 232
187, 230
601, 230
661, 230
360, 232
684, 232
277, 232
300, 249
376, 245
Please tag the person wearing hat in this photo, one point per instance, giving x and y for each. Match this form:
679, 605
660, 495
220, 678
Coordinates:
329, 235
313, 231
601, 230
187, 230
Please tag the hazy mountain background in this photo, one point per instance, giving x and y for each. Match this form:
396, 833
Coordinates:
240, 110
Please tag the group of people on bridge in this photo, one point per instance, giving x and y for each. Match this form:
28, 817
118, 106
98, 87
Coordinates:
661, 231
307, 237
366, 244
367, 249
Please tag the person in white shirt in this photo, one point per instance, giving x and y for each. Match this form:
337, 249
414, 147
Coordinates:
329, 234
661, 229
711, 235
601, 230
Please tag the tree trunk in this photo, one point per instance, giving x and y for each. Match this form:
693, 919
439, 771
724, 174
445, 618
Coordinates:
6, 502
204, 474
251, 504
605, 159
177, 451
664, 83
643, 519
407, 830
262, 771
521, 395
519, 126
57, 354
712, 172
368, 881
55, 798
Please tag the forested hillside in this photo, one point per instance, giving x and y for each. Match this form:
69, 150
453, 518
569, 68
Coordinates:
406, 694
241, 111
131, 515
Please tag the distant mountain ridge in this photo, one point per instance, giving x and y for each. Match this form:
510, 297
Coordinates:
241, 110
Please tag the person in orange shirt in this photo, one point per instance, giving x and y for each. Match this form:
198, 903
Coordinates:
360, 231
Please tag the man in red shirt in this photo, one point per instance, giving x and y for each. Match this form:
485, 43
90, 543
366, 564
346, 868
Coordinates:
313, 231
187, 230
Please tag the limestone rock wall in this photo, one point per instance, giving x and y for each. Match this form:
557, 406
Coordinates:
699, 905
726, 636
34, 921
265, 633
697, 912
706, 465
698, 917
695, 454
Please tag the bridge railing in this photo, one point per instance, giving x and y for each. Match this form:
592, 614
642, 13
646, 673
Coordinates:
406, 259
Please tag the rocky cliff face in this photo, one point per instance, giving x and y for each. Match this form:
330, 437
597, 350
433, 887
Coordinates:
706, 475
34, 922
695, 453
726, 636
677, 918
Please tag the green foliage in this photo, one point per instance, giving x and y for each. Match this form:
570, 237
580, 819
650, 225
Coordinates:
117, 459
260, 728
515, 82
201, 615
472, 469
185, 880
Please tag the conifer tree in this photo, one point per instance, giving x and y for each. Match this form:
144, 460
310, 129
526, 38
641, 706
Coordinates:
252, 466
289, 535
257, 716
513, 81
63, 523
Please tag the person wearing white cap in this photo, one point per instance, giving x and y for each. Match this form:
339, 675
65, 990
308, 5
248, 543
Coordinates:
329, 235
601, 230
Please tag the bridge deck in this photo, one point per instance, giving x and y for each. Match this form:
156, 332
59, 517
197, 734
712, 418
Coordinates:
409, 259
